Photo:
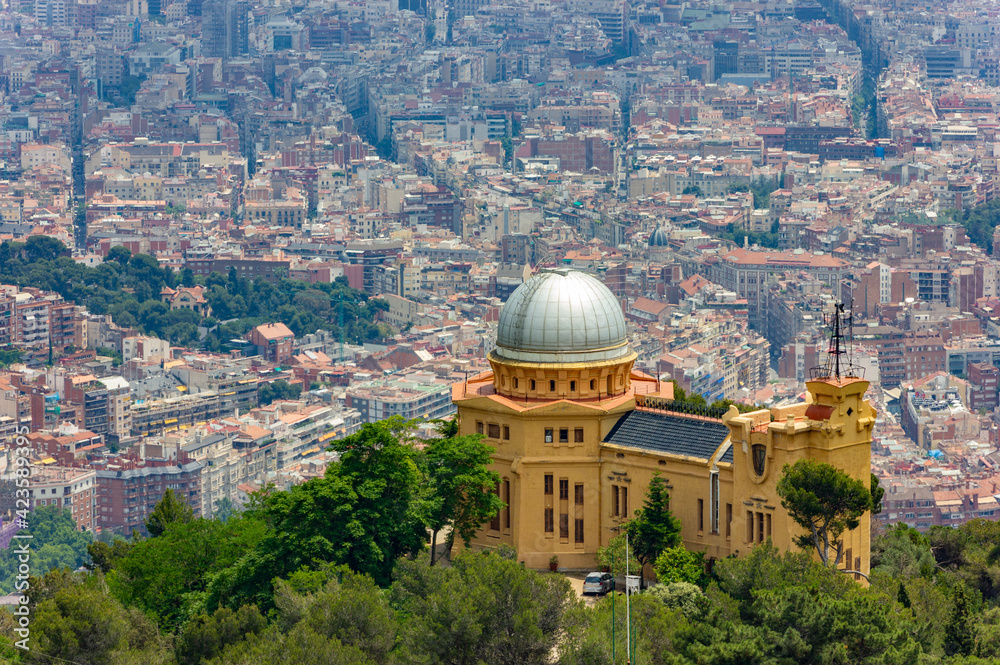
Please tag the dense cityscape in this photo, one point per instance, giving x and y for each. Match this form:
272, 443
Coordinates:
365, 331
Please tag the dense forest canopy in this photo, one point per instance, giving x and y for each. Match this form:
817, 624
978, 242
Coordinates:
335, 571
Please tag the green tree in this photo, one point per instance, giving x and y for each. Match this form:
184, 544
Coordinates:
104, 556
461, 490
55, 543
692, 189
277, 390
959, 632
902, 552
205, 637
80, 623
364, 512
169, 510
167, 577
43, 248
877, 493
654, 528
482, 609
825, 502
677, 564
612, 557
120, 254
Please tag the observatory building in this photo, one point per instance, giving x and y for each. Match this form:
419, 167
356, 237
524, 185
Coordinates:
579, 433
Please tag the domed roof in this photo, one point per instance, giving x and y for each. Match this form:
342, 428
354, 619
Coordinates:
658, 238
562, 316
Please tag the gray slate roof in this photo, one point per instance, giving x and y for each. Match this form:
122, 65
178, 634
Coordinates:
671, 434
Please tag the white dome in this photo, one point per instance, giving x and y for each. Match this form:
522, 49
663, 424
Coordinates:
562, 316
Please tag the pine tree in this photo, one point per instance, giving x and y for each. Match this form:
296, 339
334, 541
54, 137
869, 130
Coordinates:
654, 528
958, 633
903, 597
170, 510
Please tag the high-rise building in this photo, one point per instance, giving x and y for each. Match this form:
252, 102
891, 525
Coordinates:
225, 28
579, 434
55, 13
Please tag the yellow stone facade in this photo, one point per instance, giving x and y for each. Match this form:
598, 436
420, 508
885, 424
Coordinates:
578, 443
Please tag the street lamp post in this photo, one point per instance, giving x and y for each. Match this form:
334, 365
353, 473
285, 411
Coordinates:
628, 608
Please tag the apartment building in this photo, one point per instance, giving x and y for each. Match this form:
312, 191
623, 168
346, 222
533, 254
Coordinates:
71, 488
126, 496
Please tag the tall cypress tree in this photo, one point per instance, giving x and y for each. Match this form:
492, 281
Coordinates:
654, 528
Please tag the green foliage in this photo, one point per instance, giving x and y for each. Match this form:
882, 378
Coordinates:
115, 355
979, 223
170, 510
761, 189
612, 557
460, 489
104, 556
364, 512
825, 502
127, 287
205, 637
167, 576
9, 356
80, 623
959, 632
277, 390
56, 543
877, 493
902, 552
683, 596
483, 609
677, 564
692, 189
654, 527
737, 236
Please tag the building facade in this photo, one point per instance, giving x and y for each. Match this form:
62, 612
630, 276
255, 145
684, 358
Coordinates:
579, 434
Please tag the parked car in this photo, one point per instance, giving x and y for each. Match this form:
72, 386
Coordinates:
598, 583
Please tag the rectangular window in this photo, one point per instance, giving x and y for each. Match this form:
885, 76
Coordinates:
615, 512
714, 503
578, 531
729, 520
578, 435
479, 427
506, 500
578, 494
548, 484
848, 559
749, 527
506, 433
564, 526
572, 386
495, 522
767, 525
563, 435
760, 527
552, 386
701, 514
624, 502
548, 520
563, 489
493, 431
548, 436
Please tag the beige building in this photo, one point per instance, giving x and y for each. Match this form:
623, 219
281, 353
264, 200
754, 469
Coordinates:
579, 434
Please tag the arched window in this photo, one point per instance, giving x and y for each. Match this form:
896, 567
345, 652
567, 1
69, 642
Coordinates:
759, 453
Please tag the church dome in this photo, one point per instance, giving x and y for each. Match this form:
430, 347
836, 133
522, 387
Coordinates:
659, 238
562, 316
